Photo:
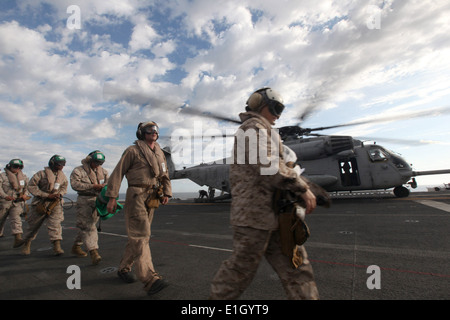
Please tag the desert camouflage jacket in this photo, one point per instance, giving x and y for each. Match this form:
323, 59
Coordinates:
257, 171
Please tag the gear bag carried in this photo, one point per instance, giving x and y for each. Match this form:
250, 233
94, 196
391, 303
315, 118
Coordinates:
154, 198
293, 231
101, 203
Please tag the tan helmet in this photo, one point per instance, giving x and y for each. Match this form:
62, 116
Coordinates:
140, 132
265, 97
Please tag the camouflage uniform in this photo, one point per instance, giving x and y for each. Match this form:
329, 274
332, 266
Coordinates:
39, 187
87, 215
11, 208
138, 217
255, 223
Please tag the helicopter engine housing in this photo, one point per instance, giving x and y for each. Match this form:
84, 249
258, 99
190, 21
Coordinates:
320, 147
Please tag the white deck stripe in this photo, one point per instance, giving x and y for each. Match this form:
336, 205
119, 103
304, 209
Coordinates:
211, 248
435, 204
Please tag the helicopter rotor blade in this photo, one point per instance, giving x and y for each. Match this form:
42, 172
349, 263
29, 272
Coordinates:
312, 105
426, 113
207, 114
306, 113
112, 92
115, 93
200, 137
406, 142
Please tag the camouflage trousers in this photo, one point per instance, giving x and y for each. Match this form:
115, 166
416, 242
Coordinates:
53, 221
87, 217
7, 208
249, 247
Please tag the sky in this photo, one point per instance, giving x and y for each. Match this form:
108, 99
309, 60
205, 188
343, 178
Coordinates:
77, 76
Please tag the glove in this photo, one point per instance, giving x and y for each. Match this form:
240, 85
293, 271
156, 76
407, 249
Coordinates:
300, 212
298, 170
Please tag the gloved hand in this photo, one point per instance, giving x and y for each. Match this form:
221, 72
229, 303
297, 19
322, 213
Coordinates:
298, 170
300, 212
310, 201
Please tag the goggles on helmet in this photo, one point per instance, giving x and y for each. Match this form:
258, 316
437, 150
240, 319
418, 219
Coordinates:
151, 129
16, 164
273, 100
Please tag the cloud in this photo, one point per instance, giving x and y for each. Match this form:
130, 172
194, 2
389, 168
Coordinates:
135, 60
142, 37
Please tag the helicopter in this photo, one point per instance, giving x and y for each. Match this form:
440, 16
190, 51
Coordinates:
336, 163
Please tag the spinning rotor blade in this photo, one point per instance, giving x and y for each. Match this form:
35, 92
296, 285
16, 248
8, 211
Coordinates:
202, 136
406, 142
112, 92
306, 113
313, 104
207, 114
427, 113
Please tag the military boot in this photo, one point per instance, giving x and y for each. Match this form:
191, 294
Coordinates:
57, 248
76, 249
95, 256
26, 250
18, 240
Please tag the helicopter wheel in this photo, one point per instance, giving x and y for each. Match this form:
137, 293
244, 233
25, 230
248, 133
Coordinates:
401, 192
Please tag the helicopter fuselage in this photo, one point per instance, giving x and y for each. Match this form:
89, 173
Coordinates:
346, 164
337, 163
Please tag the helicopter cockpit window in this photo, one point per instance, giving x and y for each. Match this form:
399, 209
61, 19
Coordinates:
376, 154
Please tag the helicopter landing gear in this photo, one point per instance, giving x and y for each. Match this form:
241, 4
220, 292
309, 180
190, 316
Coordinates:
401, 192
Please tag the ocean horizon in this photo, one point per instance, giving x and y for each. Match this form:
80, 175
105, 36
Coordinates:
193, 195
176, 195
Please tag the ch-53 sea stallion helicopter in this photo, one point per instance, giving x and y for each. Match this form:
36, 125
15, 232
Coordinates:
336, 163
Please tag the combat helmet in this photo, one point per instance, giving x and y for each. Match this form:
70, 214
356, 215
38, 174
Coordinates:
97, 156
15, 163
143, 126
56, 160
265, 97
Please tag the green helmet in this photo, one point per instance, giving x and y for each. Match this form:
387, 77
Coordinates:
97, 156
15, 163
56, 160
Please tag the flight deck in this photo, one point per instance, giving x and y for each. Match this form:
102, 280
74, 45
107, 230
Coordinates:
362, 248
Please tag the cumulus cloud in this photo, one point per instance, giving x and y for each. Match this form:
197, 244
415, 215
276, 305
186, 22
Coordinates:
142, 37
134, 60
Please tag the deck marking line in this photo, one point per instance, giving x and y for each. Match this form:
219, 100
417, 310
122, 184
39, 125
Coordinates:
354, 265
435, 204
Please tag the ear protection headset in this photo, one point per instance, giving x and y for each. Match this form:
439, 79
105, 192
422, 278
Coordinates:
140, 133
266, 96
